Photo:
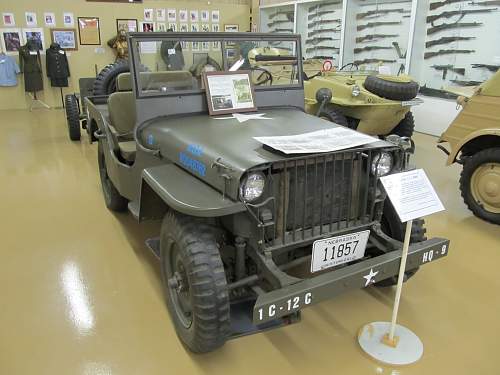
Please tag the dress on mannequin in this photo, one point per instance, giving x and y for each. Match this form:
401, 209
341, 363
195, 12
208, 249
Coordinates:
31, 65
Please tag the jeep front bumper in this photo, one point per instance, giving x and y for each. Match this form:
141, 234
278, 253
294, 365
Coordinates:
292, 298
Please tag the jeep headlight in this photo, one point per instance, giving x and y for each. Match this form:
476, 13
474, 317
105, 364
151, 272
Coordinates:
252, 186
382, 164
355, 91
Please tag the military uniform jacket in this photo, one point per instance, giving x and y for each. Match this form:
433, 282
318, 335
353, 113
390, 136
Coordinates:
57, 66
30, 64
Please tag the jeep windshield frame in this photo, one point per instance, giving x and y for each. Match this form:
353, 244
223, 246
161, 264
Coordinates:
151, 104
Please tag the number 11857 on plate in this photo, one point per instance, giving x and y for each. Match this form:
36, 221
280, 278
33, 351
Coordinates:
333, 251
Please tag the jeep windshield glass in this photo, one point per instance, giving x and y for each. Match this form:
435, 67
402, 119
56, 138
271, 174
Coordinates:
174, 63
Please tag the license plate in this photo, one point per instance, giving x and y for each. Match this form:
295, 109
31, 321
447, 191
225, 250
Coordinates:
333, 251
412, 102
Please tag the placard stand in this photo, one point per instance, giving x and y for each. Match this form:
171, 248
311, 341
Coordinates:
35, 100
391, 343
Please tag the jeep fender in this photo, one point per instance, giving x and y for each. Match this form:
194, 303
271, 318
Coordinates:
470, 137
169, 186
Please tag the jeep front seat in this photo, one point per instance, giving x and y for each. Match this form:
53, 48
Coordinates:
122, 118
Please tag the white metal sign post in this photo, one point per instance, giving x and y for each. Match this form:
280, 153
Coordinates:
412, 196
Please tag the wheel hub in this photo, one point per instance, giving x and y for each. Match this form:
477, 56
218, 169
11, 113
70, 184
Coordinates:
485, 186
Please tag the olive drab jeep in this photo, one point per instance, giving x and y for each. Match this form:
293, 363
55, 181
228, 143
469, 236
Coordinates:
238, 217
474, 139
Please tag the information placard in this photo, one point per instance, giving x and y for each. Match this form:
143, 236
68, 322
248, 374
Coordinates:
412, 194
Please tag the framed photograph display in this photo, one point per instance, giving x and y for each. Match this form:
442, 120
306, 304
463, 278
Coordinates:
68, 19
171, 15
160, 14
147, 27
215, 16
183, 15
205, 15
148, 14
193, 16
8, 19
50, 19
129, 25
229, 92
35, 34
11, 40
30, 19
66, 38
89, 31
161, 26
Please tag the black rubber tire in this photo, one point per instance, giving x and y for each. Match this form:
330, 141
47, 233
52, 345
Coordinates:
105, 83
197, 246
72, 116
391, 90
330, 114
112, 198
471, 163
405, 127
392, 226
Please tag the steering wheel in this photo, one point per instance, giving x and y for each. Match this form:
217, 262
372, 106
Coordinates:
354, 65
264, 77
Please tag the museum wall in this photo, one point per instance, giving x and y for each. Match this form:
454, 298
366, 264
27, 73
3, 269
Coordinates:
82, 62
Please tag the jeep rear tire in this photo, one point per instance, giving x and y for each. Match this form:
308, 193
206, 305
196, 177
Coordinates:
480, 184
194, 282
406, 126
112, 198
393, 227
330, 114
391, 90
72, 116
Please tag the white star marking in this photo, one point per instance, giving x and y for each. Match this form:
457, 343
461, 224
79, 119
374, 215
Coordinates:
370, 276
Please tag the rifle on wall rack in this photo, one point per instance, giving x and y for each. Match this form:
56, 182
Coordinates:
372, 61
447, 40
400, 53
374, 37
439, 4
375, 24
288, 13
378, 12
369, 48
465, 83
431, 19
277, 22
311, 34
278, 30
322, 57
318, 14
456, 25
446, 68
487, 3
322, 22
319, 39
441, 52
325, 48
322, 5
491, 68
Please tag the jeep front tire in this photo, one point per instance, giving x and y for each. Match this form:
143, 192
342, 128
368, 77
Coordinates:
112, 198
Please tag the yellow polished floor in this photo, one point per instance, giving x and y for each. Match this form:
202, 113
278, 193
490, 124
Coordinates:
81, 294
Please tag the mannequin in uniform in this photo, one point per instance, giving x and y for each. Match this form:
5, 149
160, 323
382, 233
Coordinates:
119, 44
57, 66
31, 65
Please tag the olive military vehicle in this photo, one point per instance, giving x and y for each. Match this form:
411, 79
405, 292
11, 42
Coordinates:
474, 139
240, 218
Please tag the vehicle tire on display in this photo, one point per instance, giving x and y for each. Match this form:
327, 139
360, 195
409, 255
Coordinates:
73, 116
480, 184
405, 127
391, 90
330, 114
105, 83
112, 198
393, 227
194, 282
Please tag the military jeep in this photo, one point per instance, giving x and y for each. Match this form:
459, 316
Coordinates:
244, 224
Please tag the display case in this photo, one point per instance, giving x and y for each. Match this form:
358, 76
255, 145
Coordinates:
277, 19
455, 44
377, 35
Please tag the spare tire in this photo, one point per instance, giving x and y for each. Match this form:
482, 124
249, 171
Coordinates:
105, 83
391, 90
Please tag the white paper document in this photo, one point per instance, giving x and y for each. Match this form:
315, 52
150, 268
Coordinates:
412, 194
326, 140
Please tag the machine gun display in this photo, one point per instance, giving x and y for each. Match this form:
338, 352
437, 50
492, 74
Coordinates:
321, 13
277, 22
278, 30
441, 52
319, 39
487, 3
447, 40
466, 83
325, 48
369, 48
375, 24
372, 61
322, 57
451, 68
439, 4
311, 34
455, 25
378, 12
431, 19
322, 22
491, 68
322, 5
374, 37
288, 13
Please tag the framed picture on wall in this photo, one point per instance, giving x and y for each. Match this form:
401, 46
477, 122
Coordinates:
50, 19
11, 40
68, 19
129, 25
183, 15
147, 27
35, 34
171, 15
8, 19
66, 38
30, 19
232, 28
89, 30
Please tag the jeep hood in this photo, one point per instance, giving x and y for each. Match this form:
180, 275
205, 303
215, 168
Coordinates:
209, 147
